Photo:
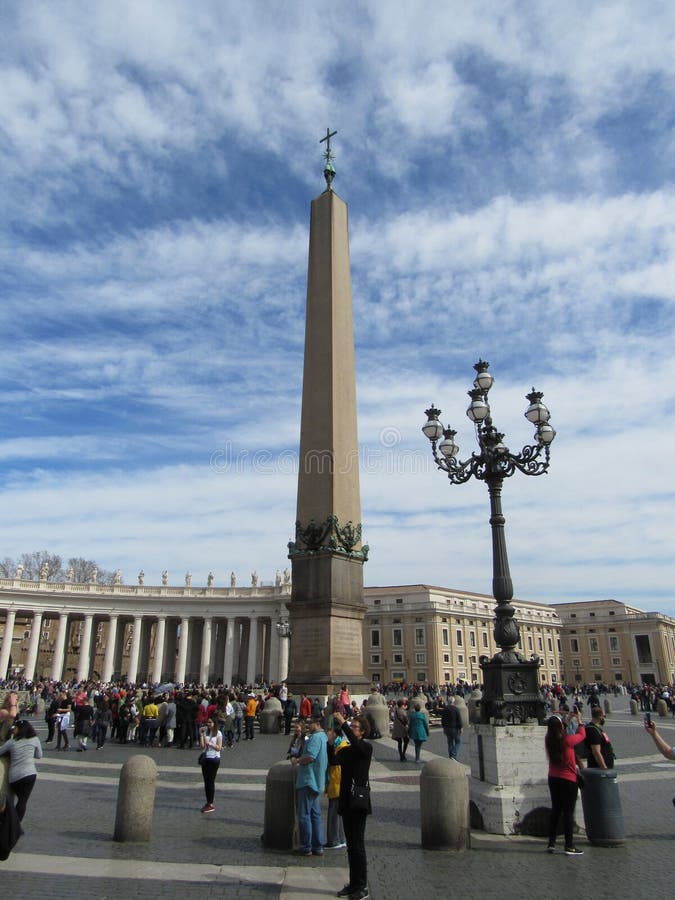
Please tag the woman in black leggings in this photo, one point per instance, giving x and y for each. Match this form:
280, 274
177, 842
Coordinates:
211, 742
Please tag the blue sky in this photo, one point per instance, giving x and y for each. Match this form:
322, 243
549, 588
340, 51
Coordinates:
509, 171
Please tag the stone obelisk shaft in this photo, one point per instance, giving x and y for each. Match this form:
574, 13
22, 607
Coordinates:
326, 609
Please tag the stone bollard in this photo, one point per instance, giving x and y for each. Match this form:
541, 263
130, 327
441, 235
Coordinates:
270, 717
444, 805
607, 705
460, 703
279, 807
633, 707
136, 799
473, 707
377, 714
661, 708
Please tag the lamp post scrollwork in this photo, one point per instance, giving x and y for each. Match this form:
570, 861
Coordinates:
511, 688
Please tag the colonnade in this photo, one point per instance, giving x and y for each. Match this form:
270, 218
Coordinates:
225, 642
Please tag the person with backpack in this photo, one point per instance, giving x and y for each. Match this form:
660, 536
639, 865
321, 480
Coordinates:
600, 751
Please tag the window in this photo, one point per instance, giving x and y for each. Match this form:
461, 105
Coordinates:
447, 676
420, 658
375, 676
472, 638
574, 645
399, 599
595, 662
618, 676
398, 676
530, 645
420, 639
559, 645
459, 638
549, 641
445, 637
593, 645
446, 657
573, 615
378, 601
398, 659
598, 676
551, 662
397, 637
374, 659
613, 642
460, 658
486, 642
540, 644
592, 615
421, 676
375, 637
612, 613
616, 660
576, 663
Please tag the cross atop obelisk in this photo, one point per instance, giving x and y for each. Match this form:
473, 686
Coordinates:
326, 609
329, 168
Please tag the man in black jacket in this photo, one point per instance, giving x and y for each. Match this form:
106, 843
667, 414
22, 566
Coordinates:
451, 721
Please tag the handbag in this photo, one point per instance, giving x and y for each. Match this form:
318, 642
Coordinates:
201, 757
360, 797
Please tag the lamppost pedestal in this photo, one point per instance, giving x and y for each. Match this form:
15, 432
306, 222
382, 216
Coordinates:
508, 787
511, 691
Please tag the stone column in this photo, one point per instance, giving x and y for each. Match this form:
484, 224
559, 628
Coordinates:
229, 652
33, 646
252, 650
109, 659
273, 647
85, 649
284, 647
158, 663
135, 649
182, 649
206, 652
60, 646
6, 650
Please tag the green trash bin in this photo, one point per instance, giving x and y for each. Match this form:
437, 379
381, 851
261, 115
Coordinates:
603, 815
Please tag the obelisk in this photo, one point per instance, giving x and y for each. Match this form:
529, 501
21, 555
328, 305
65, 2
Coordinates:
326, 609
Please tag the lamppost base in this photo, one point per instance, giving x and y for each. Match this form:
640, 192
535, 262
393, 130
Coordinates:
511, 692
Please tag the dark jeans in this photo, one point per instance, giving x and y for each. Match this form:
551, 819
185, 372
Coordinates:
209, 770
563, 801
354, 824
249, 721
21, 790
454, 739
402, 747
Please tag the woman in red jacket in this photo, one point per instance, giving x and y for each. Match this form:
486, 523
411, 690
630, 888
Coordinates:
562, 779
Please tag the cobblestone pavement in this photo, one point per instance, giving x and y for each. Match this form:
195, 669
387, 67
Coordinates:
68, 851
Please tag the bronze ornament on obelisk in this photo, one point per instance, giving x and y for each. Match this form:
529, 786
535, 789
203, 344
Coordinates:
326, 609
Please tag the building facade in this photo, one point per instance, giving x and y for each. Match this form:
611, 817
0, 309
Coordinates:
417, 633
411, 633
611, 642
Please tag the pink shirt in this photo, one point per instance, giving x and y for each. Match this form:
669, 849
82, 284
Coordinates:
568, 768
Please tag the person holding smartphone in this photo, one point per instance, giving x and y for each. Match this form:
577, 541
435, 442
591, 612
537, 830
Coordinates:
663, 748
562, 779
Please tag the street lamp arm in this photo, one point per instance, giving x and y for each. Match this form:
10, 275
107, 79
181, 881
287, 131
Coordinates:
529, 460
458, 472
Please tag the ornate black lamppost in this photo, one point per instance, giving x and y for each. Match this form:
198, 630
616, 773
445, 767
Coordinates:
511, 686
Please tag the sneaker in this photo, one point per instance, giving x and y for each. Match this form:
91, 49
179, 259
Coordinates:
338, 846
317, 852
208, 808
300, 852
346, 891
363, 894
572, 851
550, 848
